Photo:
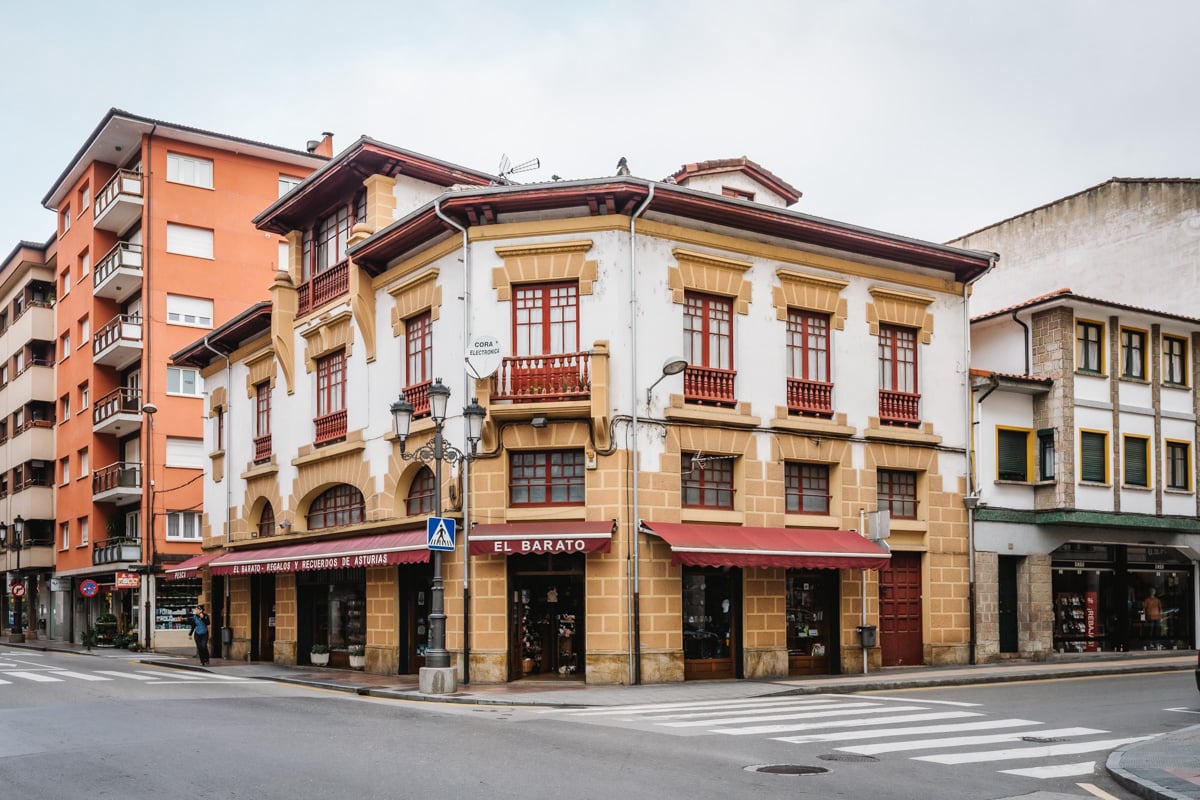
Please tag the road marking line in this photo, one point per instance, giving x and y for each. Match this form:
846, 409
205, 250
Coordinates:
849, 709
695, 705
714, 715
1182, 710
986, 725
83, 676
34, 676
1058, 771
1045, 751
131, 675
847, 723
1097, 791
963, 741
177, 676
922, 700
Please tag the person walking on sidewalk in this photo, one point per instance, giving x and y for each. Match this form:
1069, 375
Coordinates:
200, 624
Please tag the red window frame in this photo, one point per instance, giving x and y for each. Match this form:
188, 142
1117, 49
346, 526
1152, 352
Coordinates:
331, 383
421, 493
897, 492
341, 505
897, 359
808, 345
708, 331
707, 482
546, 319
418, 348
266, 521
806, 488
262, 409
546, 478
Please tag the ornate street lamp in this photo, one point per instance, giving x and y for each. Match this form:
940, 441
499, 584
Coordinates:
437, 451
18, 541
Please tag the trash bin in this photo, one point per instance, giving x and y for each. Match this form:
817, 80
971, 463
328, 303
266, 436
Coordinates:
227, 636
866, 635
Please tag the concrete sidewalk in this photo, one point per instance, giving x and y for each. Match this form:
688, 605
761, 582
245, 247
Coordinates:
1166, 767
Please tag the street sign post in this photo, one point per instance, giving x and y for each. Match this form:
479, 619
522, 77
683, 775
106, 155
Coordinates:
89, 588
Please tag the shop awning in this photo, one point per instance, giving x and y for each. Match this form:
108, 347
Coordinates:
189, 568
531, 538
379, 550
698, 545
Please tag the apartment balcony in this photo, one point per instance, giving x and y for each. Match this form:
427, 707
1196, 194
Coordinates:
117, 413
709, 386
118, 276
34, 381
546, 378
330, 428
262, 449
119, 343
32, 441
117, 483
116, 550
324, 287
36, 554
809, 398
417, 396
119, 204
36, 322
899, 408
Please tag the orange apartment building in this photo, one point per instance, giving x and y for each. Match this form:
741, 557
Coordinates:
155, 245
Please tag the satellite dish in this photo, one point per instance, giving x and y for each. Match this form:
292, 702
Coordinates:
484, 354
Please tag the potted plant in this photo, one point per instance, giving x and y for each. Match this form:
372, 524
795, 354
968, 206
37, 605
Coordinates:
319, 655
358, 656
106, 629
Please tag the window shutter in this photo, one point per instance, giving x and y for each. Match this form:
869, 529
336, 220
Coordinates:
188, 241
1135, 462
1091, 457
1013, 456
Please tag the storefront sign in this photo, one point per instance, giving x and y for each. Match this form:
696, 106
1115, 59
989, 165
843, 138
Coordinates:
60, 585
510, 547
1090, 601
310, 564
127, 580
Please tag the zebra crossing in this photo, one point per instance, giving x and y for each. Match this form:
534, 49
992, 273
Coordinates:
938, 732
12, 673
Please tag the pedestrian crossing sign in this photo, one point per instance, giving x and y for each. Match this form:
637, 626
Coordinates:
439, 533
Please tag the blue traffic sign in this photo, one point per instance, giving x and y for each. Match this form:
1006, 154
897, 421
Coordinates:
439, 533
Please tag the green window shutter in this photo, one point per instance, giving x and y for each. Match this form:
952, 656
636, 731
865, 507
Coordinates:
1012, 459
1091, 457
1135, 462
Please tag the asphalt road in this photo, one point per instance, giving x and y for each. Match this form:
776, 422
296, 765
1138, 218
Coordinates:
84, 727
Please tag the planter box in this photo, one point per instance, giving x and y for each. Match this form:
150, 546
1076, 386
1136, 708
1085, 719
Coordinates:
319, 659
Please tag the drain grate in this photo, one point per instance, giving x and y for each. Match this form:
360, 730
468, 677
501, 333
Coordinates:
787, 769
845, 757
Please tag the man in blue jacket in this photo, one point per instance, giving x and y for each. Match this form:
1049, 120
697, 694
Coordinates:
199, 629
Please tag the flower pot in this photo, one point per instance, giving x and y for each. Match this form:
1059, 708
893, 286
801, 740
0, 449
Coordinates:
319, 659
358, 662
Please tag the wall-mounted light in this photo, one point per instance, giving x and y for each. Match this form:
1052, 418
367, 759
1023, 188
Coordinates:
285, 526
539, 422
672, 366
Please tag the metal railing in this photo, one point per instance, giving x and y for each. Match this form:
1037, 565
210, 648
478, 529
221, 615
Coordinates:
121, 475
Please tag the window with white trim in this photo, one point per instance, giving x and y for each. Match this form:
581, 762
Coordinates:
83, 463
196, 312
186, 240
85, 197
64, 531
189, 170
183, 526
184, 381
85, 264
287, 183
83, 531
185, 453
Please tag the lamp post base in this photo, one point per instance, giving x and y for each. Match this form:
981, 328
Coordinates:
437, 680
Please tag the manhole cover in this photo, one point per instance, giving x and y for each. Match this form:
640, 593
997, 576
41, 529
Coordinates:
845, 757
787, 769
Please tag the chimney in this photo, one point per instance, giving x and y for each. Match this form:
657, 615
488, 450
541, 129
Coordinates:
322, 147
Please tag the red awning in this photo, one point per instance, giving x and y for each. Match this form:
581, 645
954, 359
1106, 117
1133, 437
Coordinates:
531, 538
189, 568
698, 545
380, 550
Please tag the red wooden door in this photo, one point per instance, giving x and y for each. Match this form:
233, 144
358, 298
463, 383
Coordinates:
900, 640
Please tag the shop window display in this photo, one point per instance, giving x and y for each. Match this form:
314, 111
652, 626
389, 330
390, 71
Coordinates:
810, 622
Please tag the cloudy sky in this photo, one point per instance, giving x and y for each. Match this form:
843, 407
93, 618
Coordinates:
928, 118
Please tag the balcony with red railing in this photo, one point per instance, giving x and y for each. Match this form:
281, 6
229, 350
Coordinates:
533, 379
323, 287
330, 428
709, 386
262, 448
809, 398
899, 408
417, 396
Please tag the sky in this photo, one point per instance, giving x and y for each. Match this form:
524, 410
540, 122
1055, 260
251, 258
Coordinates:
924, 118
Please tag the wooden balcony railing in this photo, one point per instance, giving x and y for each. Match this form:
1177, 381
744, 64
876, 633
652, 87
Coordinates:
899, 408
417, 396
121, 475
809, 398
321, 288
710, 386
262, 448
124, 182
563, 376
123, 254
122, 327
121, 400
330, 427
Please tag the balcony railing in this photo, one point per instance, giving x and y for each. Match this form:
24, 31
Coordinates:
330, 427
117, 412
418, 396
323, 287
709, 386
119, 343
563, 376
262, 448
119, 203
899, 408
121, 475
118, 275
116, 549
809, 398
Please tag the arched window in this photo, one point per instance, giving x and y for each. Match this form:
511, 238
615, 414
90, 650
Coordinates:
266, 521
341, 505
421, 493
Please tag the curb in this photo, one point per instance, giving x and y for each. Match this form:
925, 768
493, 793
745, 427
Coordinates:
1143, 787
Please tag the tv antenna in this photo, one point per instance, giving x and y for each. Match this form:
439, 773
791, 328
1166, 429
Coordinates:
508, 169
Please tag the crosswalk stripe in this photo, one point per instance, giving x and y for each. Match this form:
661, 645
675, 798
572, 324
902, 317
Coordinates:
714, 715
131, 675
1056, 771
179, 676
985, 725
848, 723
39, 677
2, 681
83, 676
694, 705
962, 741
847, 709
1044, 751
